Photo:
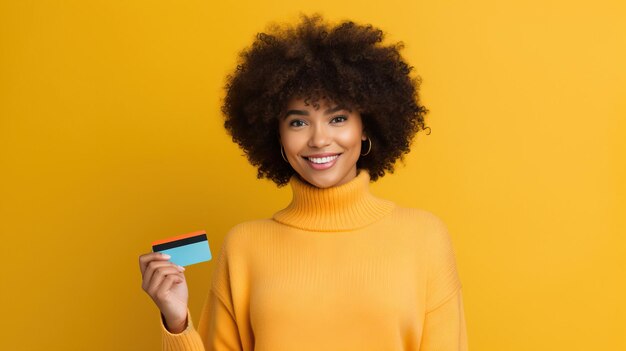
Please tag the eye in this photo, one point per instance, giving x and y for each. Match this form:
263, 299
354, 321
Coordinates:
296, 123
340, 119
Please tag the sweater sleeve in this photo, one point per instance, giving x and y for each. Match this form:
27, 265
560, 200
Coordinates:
444, 321
188, 339
217, 326
444, 327
443, 278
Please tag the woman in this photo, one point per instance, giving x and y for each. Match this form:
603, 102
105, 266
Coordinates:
326, 109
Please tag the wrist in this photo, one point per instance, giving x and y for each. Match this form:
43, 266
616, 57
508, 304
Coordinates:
175, 326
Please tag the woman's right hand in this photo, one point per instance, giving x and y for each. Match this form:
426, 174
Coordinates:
165, 282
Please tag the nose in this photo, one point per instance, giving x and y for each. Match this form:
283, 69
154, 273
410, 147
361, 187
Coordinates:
319, 138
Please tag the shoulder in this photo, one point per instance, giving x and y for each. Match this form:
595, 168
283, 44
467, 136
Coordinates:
422, 218
428, 228
238, 243
247, 228
242, 233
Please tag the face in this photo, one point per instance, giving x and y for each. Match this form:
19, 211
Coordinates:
322, 145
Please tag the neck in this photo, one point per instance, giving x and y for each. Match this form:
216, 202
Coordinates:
347, 206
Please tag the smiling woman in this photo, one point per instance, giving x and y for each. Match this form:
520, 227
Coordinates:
317, 63
322, 146
326, 109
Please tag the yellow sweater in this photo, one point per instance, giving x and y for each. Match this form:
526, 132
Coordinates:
338, 269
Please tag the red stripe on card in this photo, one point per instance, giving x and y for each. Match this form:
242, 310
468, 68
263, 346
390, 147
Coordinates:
178, 237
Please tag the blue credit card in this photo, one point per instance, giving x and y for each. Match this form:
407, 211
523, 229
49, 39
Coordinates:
185, 249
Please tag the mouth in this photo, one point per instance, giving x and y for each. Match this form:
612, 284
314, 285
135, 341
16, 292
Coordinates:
321, 162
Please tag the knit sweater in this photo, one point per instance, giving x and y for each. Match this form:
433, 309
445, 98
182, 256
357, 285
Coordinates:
337, 269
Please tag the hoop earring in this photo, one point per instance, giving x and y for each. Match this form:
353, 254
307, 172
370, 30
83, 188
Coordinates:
369, 149
283, 154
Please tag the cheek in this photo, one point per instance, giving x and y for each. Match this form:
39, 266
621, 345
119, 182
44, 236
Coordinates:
293, 142
350, 138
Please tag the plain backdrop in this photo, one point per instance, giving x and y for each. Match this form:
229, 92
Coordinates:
111, 137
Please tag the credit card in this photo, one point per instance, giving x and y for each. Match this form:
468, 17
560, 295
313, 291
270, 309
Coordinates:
185, 249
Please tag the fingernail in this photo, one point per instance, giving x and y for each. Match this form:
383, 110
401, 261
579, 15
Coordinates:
166, 255
181, 268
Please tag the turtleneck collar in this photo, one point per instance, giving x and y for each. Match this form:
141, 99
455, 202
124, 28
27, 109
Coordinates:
345, 207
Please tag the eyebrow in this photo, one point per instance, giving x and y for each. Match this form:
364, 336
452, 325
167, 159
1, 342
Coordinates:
306, 113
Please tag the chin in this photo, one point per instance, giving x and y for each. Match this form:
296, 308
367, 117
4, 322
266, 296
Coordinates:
324, 178
322, 181
325, 185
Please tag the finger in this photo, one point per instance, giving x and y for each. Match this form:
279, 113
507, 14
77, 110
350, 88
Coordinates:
147, 258
166, 286
158, 277
153, 266
160, 291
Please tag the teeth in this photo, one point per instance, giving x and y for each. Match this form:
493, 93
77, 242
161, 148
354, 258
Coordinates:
322, 159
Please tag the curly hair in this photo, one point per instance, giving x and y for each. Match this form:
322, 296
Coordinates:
346, 63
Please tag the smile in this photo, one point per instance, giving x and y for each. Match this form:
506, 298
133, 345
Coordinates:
321, 163
319, 160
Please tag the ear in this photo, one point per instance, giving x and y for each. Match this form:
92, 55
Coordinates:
364, 135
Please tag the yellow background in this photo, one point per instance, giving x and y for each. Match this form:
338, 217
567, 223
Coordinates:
111, 137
